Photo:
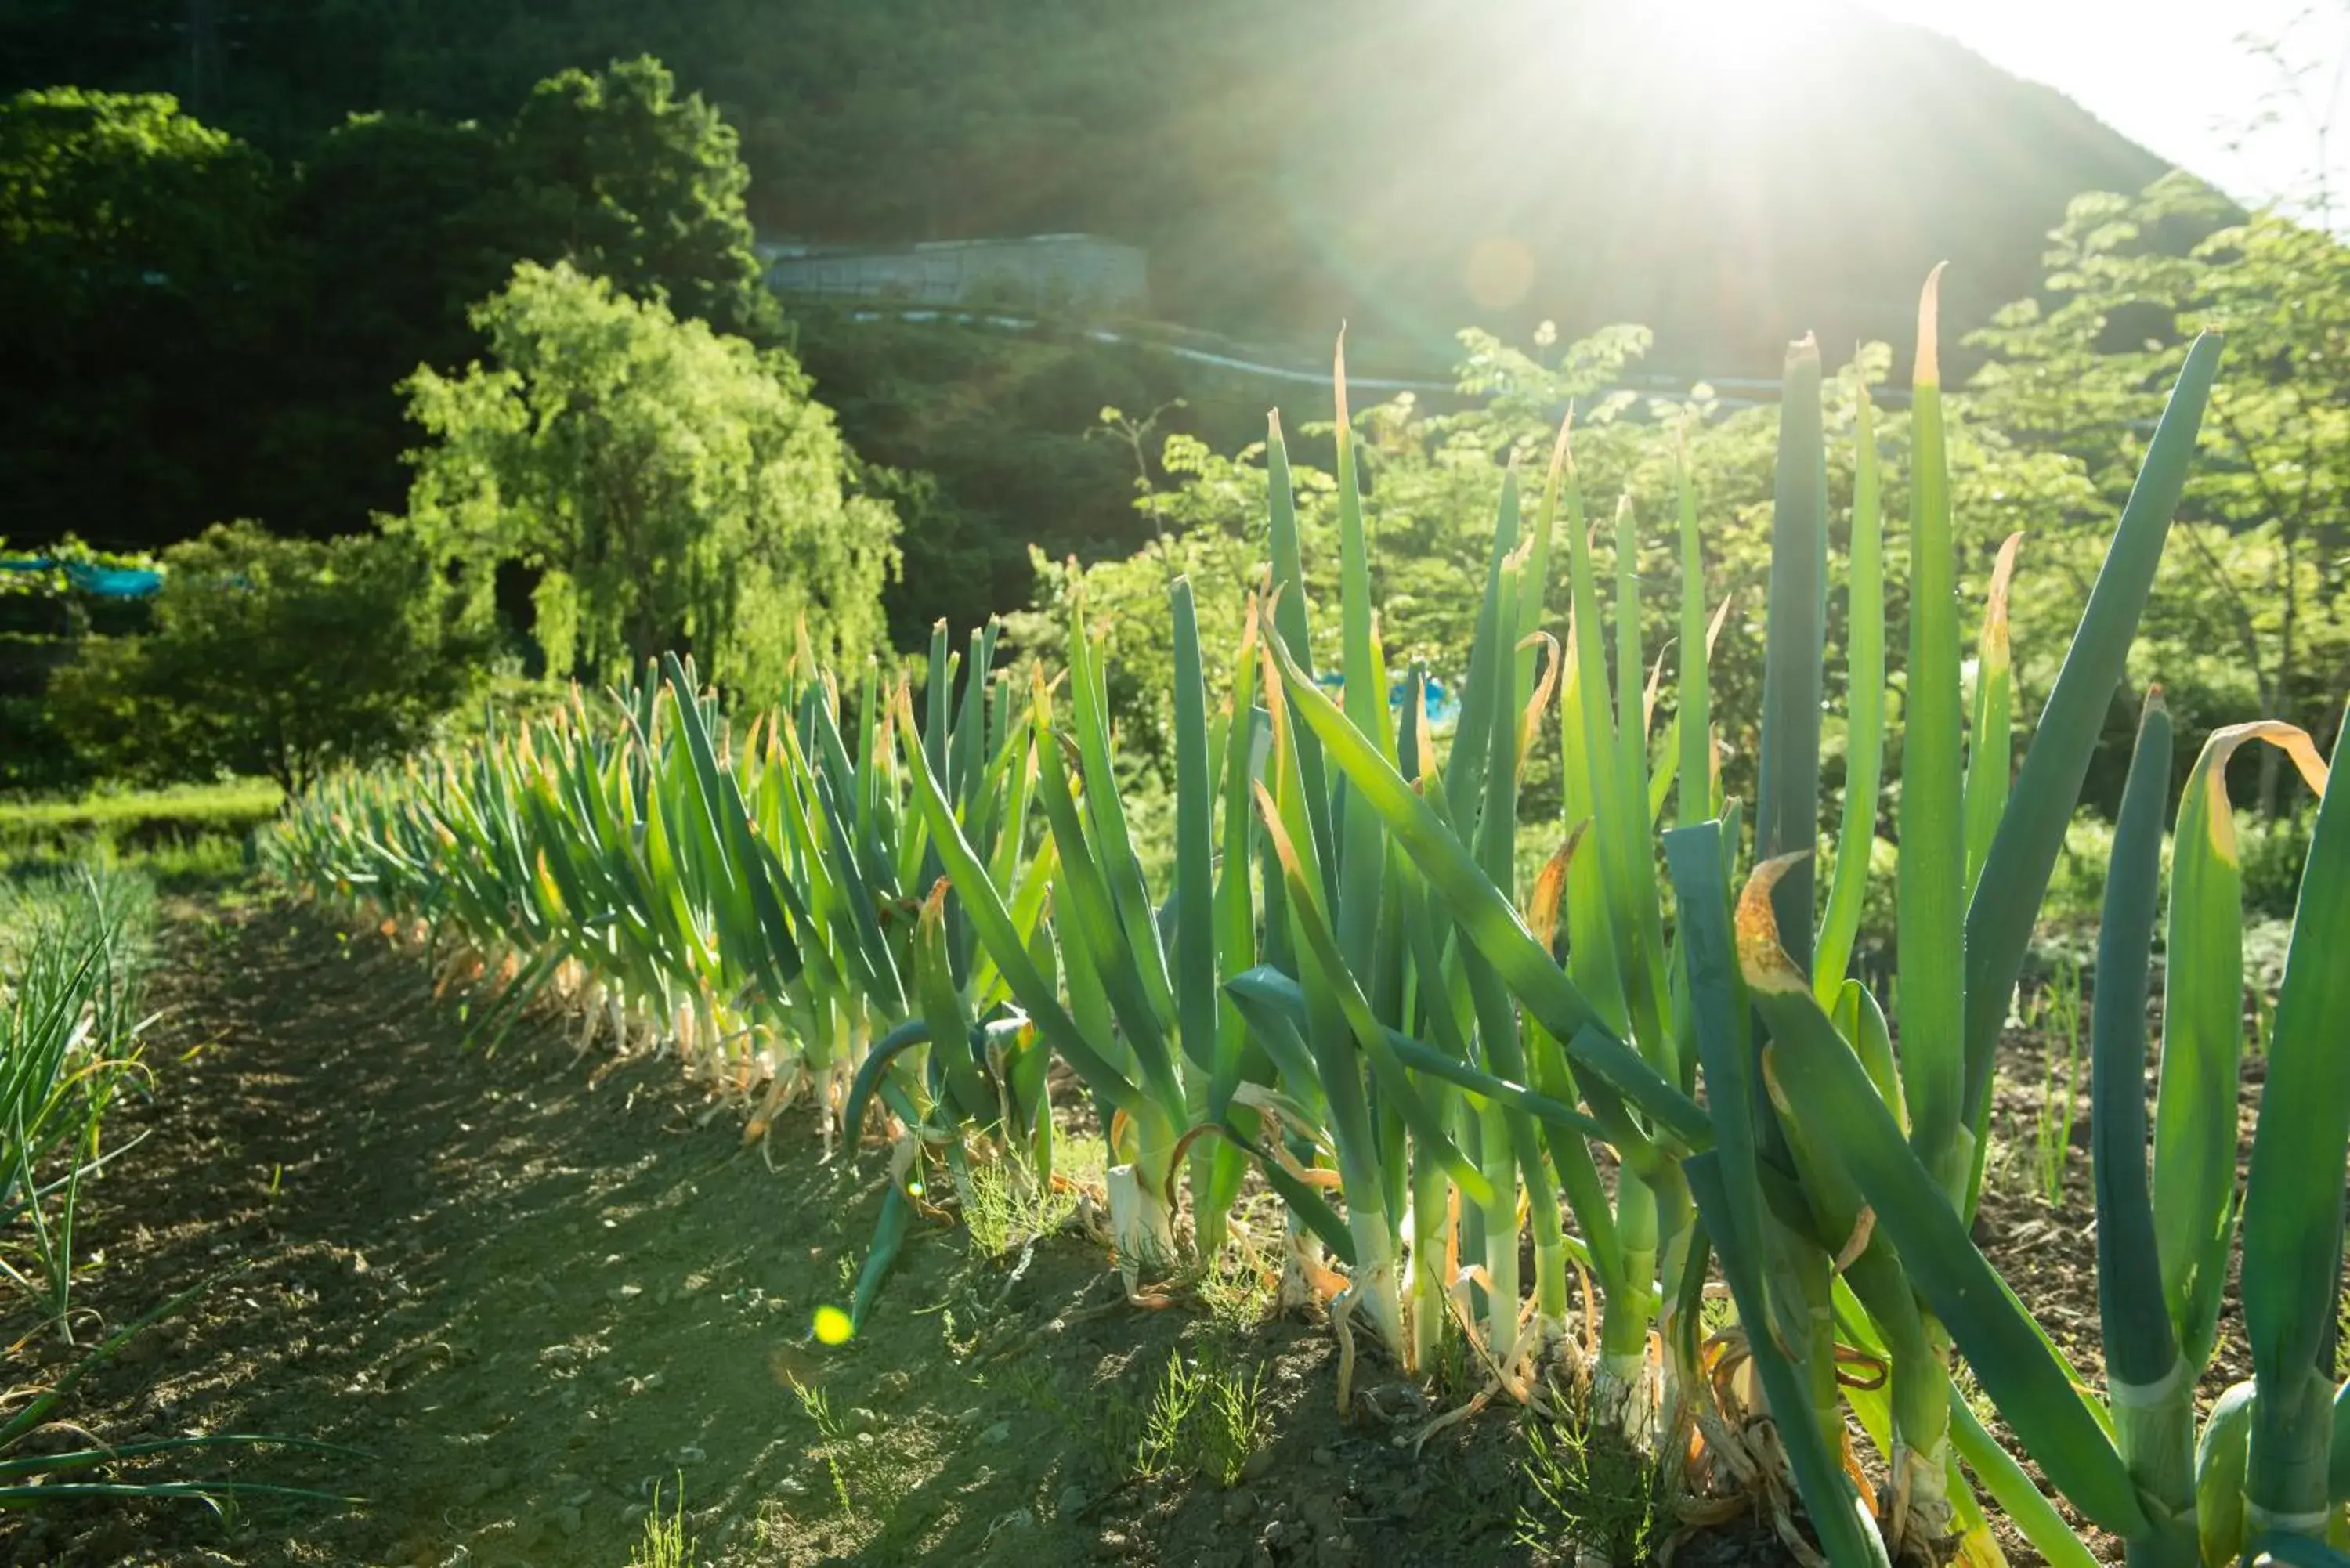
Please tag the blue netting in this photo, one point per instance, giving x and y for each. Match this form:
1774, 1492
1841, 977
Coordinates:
100, 582
1441, 706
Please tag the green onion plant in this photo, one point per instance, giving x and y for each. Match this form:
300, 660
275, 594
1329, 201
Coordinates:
1551, 1120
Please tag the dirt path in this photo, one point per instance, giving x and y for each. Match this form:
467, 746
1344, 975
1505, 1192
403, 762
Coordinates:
533, 1288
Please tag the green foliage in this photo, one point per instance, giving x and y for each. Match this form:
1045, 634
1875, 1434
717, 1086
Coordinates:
673, 488
645, 185
865, 1482
73, 957
232, 806
184, 838
44, 615
665, 1543
135, 252
2248, 618
1199, 133
277, 657
1004, 1207
2247, 615
1436, 477
397, 224
209, 336
1587, 1487
1203, 1418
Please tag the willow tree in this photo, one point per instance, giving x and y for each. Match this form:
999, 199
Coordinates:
671, 488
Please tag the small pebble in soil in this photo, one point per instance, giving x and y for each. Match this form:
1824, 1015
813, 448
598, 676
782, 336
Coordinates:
1257, 1465
1237, 1505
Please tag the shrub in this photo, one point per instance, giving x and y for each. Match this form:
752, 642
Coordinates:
275, 657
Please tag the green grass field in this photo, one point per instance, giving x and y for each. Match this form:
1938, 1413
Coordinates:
138, 817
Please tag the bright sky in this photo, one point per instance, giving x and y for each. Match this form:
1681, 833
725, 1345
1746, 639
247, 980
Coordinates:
2169, 74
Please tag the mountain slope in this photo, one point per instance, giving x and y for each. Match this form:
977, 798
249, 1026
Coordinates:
1409, 165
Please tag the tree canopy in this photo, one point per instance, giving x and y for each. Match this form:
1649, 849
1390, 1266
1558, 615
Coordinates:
628, 179
136, 258
276, 657
672, 487
1405, 166
210, 334
2250, 621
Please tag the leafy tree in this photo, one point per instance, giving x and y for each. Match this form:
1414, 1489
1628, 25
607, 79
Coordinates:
282, 656
399, 223
673, 488
623, 176
202, 337
2249, 620
394, 225
1432, 482
135, 259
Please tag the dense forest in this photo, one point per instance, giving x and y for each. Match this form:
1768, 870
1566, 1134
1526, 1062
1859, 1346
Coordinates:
343, 181
257, 258
1410, 167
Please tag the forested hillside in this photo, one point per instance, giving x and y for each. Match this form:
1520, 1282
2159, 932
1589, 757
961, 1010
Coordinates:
245, 244
1409, 166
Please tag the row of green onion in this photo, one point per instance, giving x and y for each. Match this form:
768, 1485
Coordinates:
1651, 1064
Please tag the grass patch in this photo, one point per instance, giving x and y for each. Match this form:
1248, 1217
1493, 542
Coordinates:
864, 1483
1588, 1485
189, 838
140, 818
211, 863
2059, 1018
1238, 1288
665, 1543
1003, 1206
1204, 1418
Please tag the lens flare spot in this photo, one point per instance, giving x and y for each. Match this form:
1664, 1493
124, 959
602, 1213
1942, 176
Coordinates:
832, 1326
1498, 271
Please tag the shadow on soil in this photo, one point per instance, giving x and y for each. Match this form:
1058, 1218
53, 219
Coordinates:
535, 1288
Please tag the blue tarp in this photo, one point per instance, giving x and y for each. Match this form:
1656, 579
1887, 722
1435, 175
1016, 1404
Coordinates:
1440, 705
100, 582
